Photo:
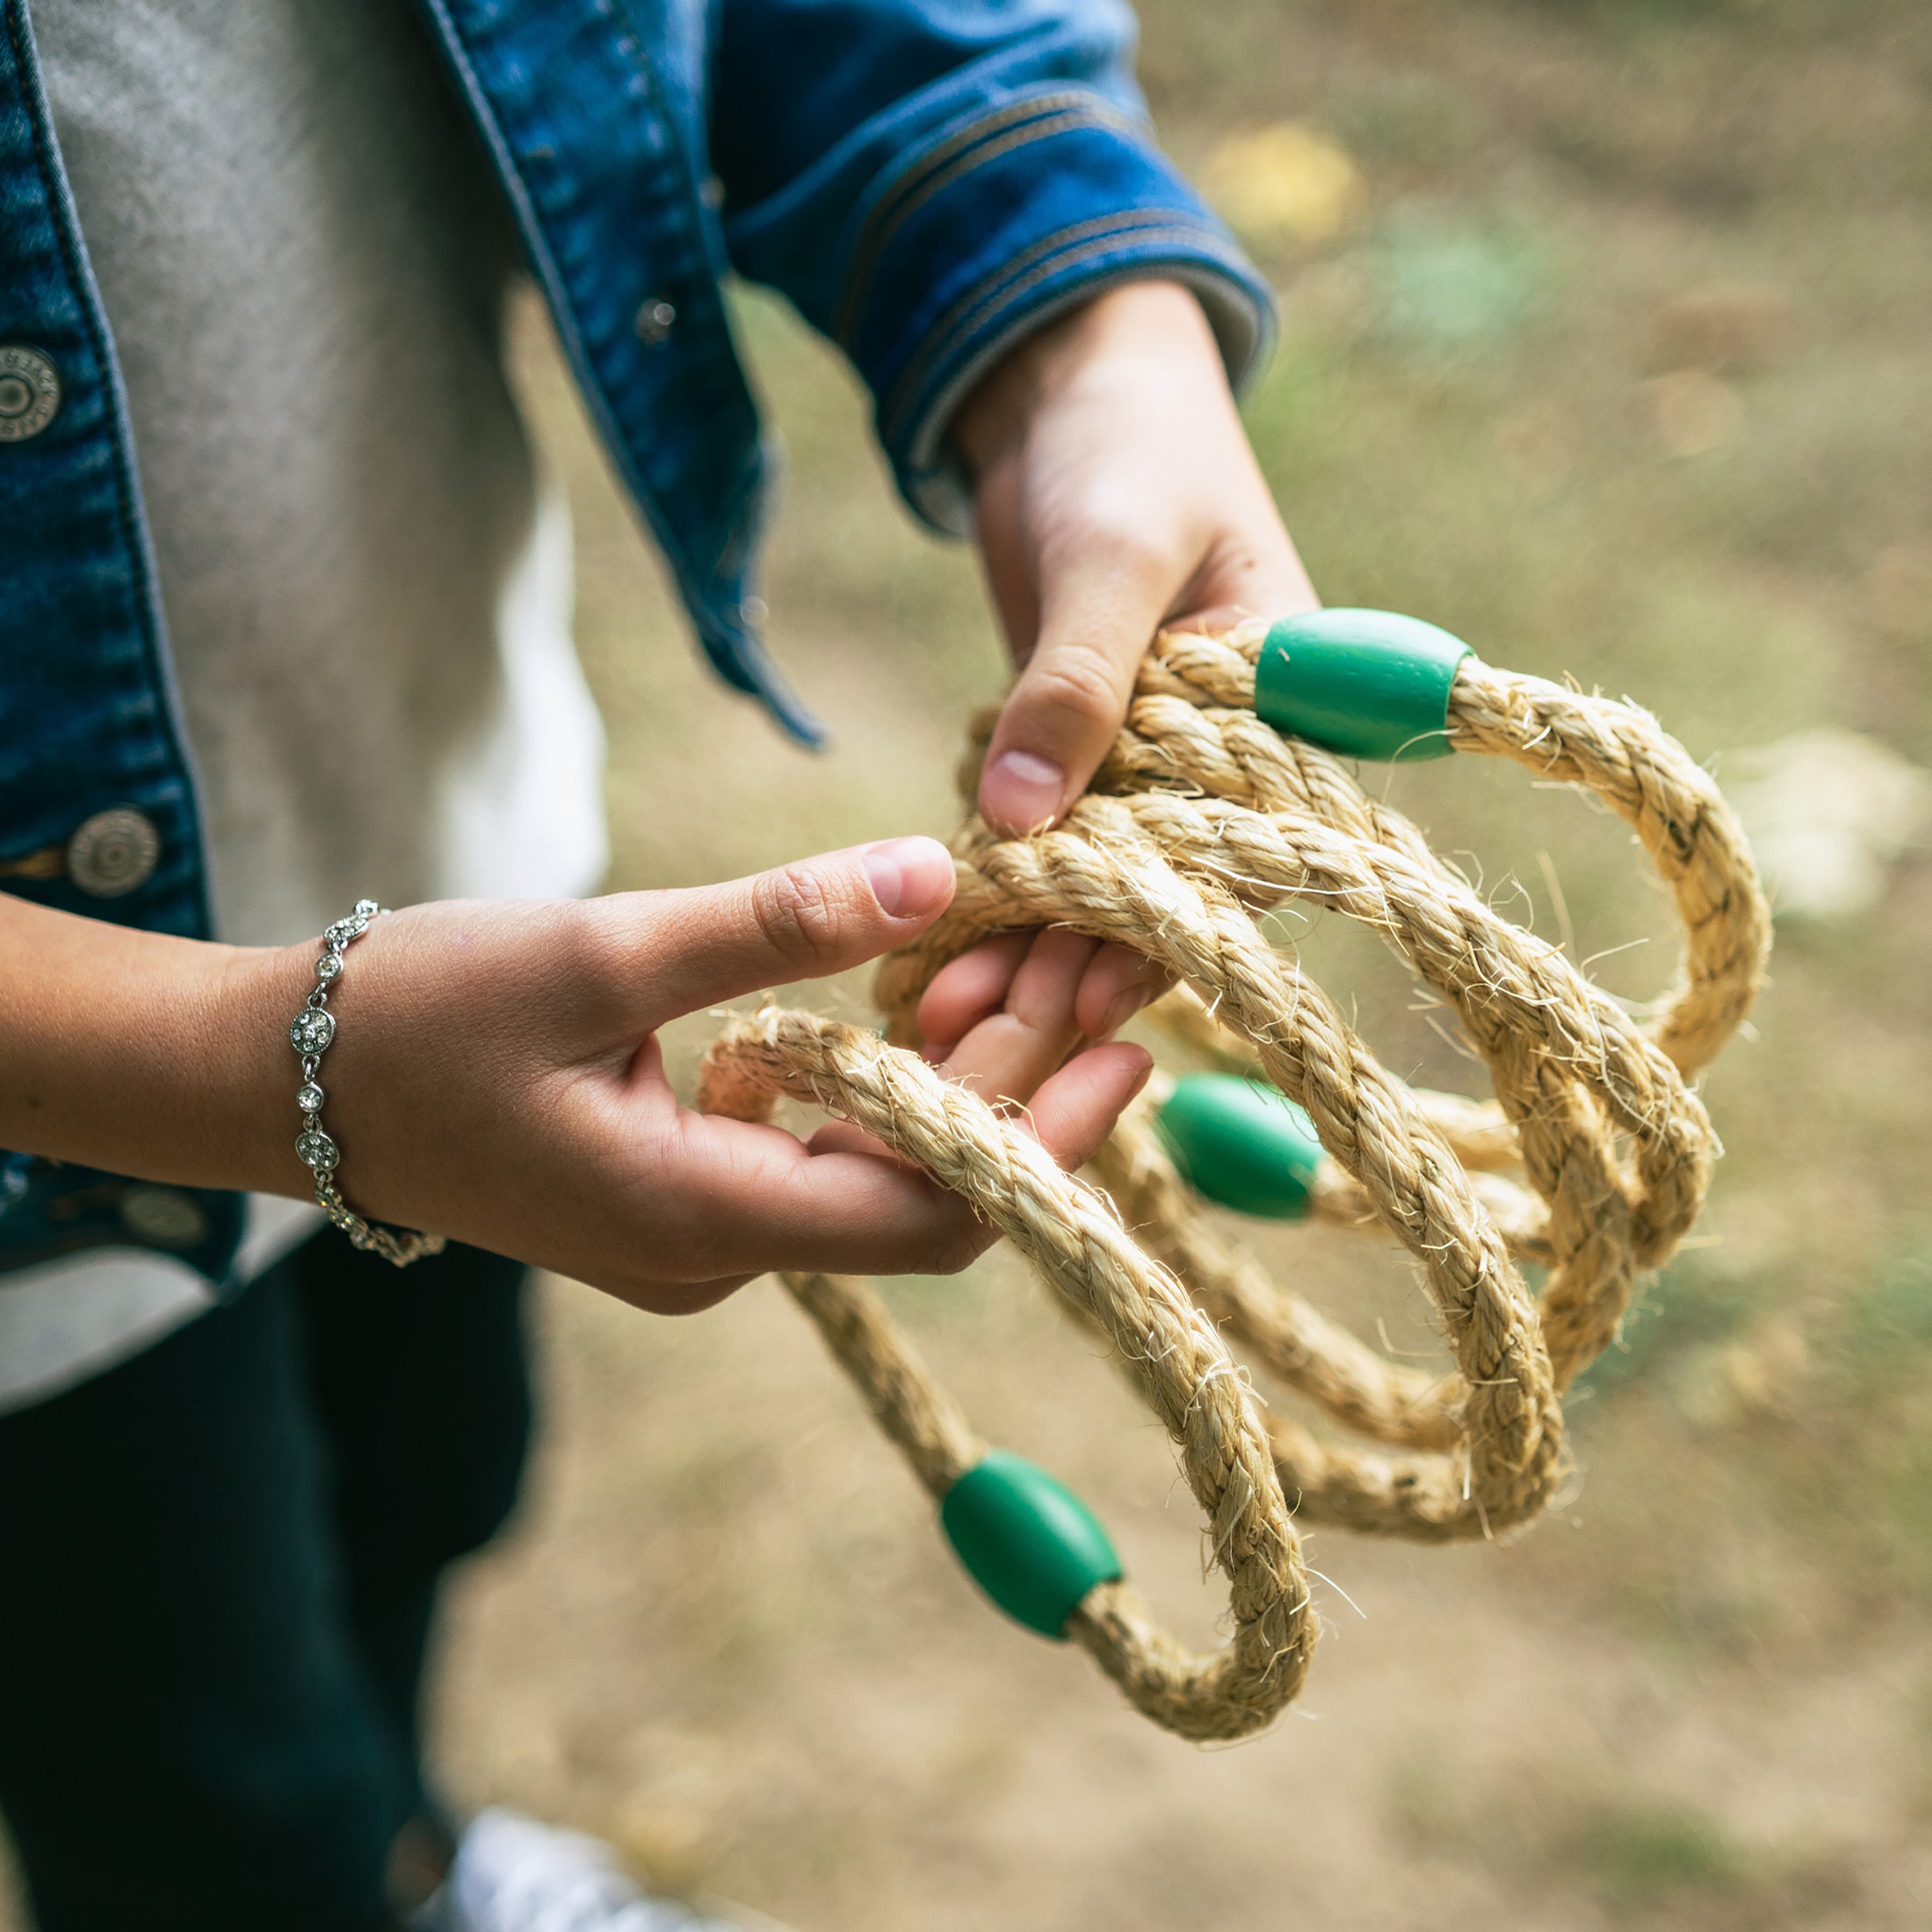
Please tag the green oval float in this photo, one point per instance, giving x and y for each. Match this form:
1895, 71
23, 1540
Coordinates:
1242, 1143
1369, 684
1027, 1541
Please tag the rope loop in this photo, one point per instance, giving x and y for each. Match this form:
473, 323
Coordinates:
1203, 819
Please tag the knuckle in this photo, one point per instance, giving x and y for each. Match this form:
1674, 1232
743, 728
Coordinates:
956, 1248
594, 947
1078, 679
600, 938
800, 919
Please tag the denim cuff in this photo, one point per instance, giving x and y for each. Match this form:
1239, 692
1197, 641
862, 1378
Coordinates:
985, 232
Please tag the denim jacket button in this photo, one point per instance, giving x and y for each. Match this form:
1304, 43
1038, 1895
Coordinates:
163, 1216
30, 391
656, 318
114, 852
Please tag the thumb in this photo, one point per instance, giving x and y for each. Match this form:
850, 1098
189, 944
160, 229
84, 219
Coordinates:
1098, 611
814, 916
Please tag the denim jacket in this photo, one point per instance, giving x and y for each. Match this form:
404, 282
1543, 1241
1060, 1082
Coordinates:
925, 180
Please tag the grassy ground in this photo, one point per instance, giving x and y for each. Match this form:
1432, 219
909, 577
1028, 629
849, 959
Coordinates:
1618, 365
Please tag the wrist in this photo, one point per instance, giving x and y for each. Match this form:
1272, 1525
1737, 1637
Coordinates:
213, 1077
144, 1054
1133, 332
257, 993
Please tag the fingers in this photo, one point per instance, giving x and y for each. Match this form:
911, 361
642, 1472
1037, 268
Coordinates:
1114, 488
1116, 985
968, 990
753, 1198
1070, 1115
1075, 1111
1009, 1053
1027, 979
1101, 992
1101, 599
693, 948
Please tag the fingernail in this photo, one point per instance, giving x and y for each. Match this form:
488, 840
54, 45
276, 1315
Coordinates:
1023, 790
909, 877
1125, 1006
1146, 1074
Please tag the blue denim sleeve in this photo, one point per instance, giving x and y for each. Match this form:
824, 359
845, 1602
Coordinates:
929, 180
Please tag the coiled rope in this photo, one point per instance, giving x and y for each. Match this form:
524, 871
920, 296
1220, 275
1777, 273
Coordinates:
1205, 818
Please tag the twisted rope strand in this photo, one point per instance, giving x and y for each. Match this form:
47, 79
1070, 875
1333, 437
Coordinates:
1069, 1231
1202, 819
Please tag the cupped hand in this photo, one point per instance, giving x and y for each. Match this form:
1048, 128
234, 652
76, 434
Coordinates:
498, 1078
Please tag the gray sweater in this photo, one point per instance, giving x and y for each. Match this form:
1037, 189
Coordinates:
304, 261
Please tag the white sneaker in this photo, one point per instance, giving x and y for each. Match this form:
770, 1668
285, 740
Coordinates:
511, 1874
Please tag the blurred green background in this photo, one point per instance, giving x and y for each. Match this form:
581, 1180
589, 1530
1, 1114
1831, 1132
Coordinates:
1606, 344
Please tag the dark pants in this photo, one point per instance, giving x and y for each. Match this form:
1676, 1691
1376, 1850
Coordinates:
218, 1566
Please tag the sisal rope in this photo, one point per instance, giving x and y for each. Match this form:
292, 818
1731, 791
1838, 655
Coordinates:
1203, 819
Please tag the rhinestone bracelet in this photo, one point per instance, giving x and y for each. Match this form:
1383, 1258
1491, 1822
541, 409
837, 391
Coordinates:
309, 1034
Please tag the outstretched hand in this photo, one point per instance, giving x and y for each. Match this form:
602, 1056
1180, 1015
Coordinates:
1114, 491
498, 1078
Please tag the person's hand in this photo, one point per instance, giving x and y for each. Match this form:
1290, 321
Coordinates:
1115, 491
498, 1078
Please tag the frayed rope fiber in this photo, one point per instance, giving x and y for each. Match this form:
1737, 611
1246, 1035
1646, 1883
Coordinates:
1204, 818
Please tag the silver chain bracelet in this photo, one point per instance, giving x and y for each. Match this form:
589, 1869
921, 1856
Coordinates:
309, 1034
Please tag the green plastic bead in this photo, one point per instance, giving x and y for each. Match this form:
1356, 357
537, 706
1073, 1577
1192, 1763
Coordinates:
1241, 1143
1027, 1541
1369, 684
